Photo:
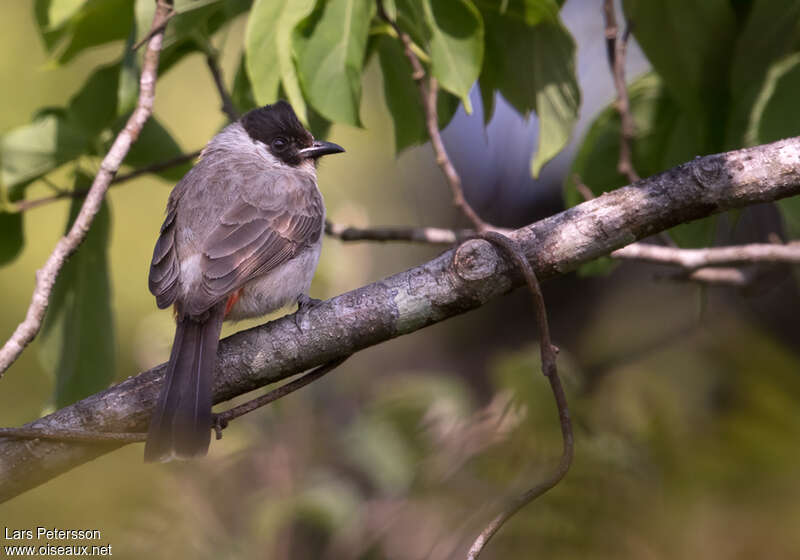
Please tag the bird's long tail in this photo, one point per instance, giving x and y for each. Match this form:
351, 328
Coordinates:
181, 423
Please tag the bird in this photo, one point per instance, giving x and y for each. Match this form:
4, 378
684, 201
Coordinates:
241, 238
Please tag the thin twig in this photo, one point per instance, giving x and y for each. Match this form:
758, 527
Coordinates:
616, 49
160, 27
25, 205
83, 436
693, 259
222, 419
725, 276
216, 72
429, 235
46, 276
429, 90
157, 166
548, 357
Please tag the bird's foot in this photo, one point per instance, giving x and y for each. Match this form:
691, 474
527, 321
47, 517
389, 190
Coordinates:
218, 423
304, 305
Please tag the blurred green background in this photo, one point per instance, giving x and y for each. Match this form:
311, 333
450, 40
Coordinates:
684, 399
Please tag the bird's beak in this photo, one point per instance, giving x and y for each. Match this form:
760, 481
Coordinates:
320, 148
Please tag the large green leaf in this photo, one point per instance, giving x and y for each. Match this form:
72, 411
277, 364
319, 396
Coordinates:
530, 59
52, 14
191, 28
11, 236
455, 31
775, 116
77, 338
242, 90
665, 136
268, 45
128, 83
771, 31
30, 151
68, 28
94, 107
156, 144
330, 45
689, 44
403, 98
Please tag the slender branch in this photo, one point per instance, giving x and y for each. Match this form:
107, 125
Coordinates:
429, 90
616, 49
548, 353
228, 106
25, 205
46, 276
158, 27
157, 166
692, 259
222, 419
430, 235
453, 283
734, 277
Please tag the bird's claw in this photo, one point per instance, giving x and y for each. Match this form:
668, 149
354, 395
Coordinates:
304, 305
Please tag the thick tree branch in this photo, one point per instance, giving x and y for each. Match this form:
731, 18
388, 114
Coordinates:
46, 276
455, 282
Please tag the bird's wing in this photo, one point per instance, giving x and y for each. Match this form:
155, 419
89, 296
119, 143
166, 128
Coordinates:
263, 228
164, 269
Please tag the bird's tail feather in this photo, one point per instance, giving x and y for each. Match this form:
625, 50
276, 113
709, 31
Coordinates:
181, 423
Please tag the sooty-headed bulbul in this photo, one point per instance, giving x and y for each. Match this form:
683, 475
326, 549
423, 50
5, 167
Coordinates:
241, 238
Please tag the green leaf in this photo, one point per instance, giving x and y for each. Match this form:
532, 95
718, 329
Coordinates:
268, 45
401, 94
30, 151
242, 90
770, 32
193, 25
52, 14
155, 144
689, 44
94, 107
11, 236
695, 235
774, 117
128, 83
775, 114
530, 59
455, 34
403, 98
602, 266
330, 45
69, 29
665, 136
77, 338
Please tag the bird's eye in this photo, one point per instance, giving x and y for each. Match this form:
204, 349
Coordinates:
279, 144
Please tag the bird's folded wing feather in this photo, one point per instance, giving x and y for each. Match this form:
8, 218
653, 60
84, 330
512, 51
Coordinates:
260, 231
